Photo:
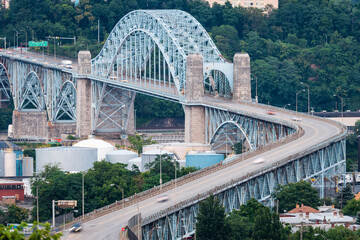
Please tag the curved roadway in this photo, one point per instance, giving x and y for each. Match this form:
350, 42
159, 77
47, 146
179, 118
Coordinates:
316, 131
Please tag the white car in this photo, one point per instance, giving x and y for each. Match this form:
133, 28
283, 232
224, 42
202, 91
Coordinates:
259, 160
296, 119
163, 198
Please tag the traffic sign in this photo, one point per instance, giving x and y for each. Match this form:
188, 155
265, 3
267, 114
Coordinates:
38, 44
67, 203
123, 229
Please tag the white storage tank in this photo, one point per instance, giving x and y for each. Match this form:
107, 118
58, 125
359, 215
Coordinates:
149, 156
71, 159
9, 164
102, 147
136, 162
120, 156
2, 156
27, 166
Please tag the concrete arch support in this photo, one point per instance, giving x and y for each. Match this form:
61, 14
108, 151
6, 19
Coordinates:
242, 81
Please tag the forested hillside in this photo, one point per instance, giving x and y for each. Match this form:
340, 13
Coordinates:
310, 41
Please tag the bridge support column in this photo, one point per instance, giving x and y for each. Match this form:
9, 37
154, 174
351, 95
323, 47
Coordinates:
194, 115
242, 81
30, 125
83, 99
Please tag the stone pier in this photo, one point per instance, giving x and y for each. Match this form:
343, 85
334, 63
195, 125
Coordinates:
83, 96
194, 115
30, 125
242, 80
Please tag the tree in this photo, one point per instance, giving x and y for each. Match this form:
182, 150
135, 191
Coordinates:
240, 227
262, 224
296, 193
38, 233
352, 207
210, 223
344, 196
138, 141
249, 209
16, 214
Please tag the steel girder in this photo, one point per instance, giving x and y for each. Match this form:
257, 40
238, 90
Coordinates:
226, 128
40, 86
66, 103
151, 46
111, 107
318, 163
4, 85
217, 83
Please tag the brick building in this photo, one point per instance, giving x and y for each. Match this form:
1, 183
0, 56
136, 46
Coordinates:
11, 188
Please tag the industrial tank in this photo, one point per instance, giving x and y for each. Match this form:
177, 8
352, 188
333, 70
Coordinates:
102, 147
120, 156
202, 160
9, 164
149, 156
27, 166
136, 162
2, 156
72, 159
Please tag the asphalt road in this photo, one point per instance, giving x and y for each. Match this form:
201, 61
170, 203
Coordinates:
316, 131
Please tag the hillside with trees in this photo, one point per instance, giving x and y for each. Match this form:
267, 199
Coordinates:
311, 41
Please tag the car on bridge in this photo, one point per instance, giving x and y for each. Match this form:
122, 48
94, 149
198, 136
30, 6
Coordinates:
270, 112
259, 160
76, 227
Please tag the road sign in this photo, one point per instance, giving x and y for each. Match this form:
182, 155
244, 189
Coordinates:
123, 229
38, 44
67, 203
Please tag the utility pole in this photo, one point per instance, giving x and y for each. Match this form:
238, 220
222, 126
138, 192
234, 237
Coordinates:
83, 202
354, 180
37, 203
98, 30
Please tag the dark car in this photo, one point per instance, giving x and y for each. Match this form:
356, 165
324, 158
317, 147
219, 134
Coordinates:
76, 227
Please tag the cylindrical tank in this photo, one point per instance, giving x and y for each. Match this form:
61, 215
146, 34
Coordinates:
120, 156
72, 159
202, 160
2, 171
102, 147
9, 164
27, 166
149, 156
136, 162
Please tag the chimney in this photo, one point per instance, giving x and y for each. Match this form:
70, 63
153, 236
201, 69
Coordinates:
332, 206
297, 205
341, 214
302, 205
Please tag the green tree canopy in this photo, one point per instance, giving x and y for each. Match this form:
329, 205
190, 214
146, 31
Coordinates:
210, 223
296, 193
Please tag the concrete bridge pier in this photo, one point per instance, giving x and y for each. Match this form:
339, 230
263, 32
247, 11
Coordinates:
194, 114
83, 96
241, 78
30, 124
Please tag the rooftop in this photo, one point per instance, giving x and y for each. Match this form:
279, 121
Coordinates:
303, 209
9, 145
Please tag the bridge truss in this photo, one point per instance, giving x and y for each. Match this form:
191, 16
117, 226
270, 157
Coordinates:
315, 165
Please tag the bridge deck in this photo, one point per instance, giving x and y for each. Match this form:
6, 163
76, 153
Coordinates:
316, 131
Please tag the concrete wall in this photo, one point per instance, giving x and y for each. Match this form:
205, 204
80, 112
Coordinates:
30, 124
83, 96
194, 124
56, 129
242, 80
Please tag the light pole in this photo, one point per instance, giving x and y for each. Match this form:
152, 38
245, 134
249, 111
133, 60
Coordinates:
32, 38
284, 107
26, 40
76, 49
296, 108
256, 92
160, 173
342, 108
308, 87
123, 203
17, 37
83, 198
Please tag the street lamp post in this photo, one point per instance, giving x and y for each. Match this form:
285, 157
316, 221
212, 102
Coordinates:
123, 203
284, 107
342, 108
308, 87
26, 40
17, 37
83, 198
32, 38
296, 107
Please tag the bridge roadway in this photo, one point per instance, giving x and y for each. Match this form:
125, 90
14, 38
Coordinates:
316, 131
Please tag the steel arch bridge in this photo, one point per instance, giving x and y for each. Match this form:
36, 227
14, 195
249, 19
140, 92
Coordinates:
150, 48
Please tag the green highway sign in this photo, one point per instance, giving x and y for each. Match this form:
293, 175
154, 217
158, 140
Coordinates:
38, 44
